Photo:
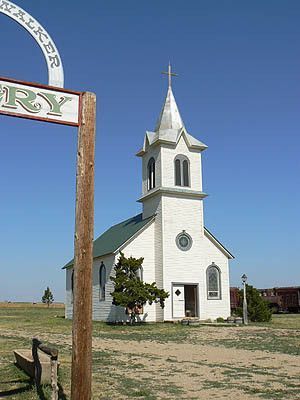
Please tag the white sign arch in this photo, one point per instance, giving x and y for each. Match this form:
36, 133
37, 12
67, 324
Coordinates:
42, 37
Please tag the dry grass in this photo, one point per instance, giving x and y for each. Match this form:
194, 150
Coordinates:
162, 361
9, 304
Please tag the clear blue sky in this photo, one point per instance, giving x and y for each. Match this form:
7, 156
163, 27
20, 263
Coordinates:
238, 92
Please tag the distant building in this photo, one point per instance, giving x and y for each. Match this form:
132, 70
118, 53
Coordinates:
281, 299
234, 298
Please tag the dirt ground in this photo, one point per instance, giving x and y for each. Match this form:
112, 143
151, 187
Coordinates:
204, 371
193, 370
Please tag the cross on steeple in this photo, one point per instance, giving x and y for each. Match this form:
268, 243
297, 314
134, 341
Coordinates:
170, 74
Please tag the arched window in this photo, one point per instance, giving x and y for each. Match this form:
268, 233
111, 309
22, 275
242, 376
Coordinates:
139, 273
102, 281
182, 170
185, 173
72, 285
213, 280
177, 173
151, 174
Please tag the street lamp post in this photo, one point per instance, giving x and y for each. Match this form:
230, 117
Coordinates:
245, 312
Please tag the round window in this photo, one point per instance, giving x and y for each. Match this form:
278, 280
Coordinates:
184, 241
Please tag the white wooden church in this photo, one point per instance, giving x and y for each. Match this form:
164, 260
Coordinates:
180, 254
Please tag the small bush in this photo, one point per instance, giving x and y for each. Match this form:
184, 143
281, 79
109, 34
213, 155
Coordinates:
258, 309
130, 291
220, 319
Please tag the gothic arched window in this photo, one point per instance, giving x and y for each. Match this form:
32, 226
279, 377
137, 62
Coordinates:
151, 174
213, 281
185, 173
182, 170
102, 281
139, 273
72, 285
177, 172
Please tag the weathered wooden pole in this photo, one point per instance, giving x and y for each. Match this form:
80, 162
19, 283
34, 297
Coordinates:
81, 380
54, 364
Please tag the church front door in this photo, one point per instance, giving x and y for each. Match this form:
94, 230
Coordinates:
178, 301
185, 300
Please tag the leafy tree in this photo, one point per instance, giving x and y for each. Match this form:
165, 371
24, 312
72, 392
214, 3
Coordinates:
129, 289
48, 297
258, 309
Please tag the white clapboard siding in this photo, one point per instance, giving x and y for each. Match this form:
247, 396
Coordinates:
143, 246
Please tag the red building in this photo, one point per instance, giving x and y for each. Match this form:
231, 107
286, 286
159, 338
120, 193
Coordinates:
281, 299
234, 298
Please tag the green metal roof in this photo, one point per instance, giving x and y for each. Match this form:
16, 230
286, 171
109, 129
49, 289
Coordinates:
115, 236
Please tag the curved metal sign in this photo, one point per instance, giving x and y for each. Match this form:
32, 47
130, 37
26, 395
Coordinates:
42, 37
41, 102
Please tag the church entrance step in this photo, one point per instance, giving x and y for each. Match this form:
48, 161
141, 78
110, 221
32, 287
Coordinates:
190, 321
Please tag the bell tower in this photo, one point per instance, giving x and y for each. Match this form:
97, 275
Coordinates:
171, 158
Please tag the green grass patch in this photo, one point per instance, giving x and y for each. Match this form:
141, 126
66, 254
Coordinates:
160, 332
265, 340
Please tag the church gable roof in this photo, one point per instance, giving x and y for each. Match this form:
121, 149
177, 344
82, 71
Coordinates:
195, 143
116, 236
171, 136
218, 244
112, 239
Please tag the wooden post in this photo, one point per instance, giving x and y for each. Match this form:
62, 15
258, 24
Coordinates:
53, 353
37, 363
54, 364
81, 379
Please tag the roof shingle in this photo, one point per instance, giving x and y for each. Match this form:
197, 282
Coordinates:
115, 236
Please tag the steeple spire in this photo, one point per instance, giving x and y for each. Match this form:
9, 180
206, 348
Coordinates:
169, 117
170, 127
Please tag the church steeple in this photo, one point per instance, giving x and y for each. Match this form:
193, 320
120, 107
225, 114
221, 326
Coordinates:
169, 127
169, 117
171, 161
